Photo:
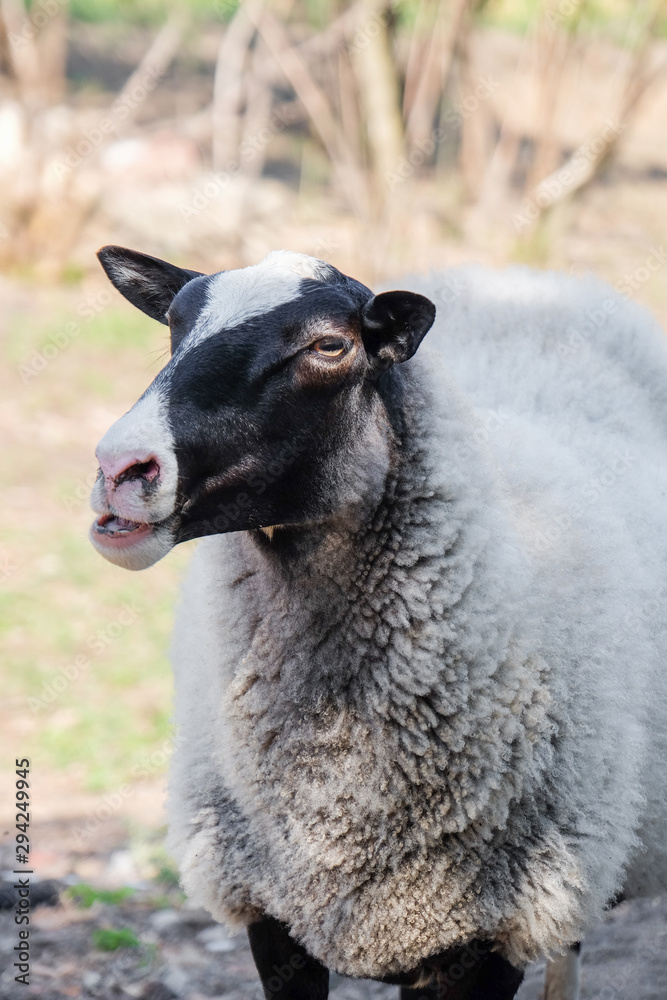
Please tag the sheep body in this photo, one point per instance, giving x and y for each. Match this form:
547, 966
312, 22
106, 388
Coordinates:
449, 724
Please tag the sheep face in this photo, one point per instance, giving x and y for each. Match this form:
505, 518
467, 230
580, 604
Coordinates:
269, 412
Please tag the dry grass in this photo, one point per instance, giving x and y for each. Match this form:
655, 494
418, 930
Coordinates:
86, 676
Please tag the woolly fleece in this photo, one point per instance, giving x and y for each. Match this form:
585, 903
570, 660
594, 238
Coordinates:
447, 722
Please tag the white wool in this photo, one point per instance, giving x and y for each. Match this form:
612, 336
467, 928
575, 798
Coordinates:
511, 658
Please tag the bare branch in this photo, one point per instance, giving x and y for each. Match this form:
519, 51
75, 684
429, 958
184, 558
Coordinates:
228, 85
156, 59
22, 48
378, 88
435, 70
296, 71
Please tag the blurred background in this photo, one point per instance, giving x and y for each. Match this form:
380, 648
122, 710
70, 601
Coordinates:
384, 137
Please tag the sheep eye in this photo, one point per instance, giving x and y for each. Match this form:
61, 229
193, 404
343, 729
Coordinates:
331, 347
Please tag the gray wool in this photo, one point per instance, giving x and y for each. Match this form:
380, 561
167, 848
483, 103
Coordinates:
444, 718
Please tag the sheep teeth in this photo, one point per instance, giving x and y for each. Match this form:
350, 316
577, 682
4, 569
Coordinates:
108, 524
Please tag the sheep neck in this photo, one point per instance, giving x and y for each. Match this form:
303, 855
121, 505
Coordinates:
408, 576
394, 633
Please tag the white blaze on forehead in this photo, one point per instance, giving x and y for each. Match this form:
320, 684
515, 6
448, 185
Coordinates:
235, 296
142, 431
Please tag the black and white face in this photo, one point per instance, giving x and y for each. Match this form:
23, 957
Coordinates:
269, 411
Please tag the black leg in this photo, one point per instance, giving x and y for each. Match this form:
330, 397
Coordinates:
470, 973
425, 993
286, 969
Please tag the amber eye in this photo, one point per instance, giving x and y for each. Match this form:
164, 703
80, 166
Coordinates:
331, 347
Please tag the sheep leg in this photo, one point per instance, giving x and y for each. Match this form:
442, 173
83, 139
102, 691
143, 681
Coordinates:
285, 968
561, 981
469, 973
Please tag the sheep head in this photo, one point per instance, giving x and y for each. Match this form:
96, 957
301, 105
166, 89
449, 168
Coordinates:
270, 410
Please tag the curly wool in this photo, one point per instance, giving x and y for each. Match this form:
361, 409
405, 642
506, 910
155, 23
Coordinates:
448, 722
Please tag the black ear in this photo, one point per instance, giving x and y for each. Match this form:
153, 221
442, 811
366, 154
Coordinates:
148, 283
393, 325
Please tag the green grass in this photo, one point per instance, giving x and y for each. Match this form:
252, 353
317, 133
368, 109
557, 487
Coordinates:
93, 325
89, 658
148, 11
617, 20
85, 644
112, 938
85, 895
613, 18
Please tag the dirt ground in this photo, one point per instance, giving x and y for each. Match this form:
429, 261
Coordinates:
175, 951
178, 952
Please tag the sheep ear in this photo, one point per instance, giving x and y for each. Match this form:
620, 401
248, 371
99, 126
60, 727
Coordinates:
393, 325
148, 283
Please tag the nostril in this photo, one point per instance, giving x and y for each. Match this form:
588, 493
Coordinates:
148, 470
117, 469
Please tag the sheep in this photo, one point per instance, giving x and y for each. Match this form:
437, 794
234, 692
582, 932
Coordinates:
420, 692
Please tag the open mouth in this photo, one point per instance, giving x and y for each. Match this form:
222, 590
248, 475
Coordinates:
130, 544
118, 532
